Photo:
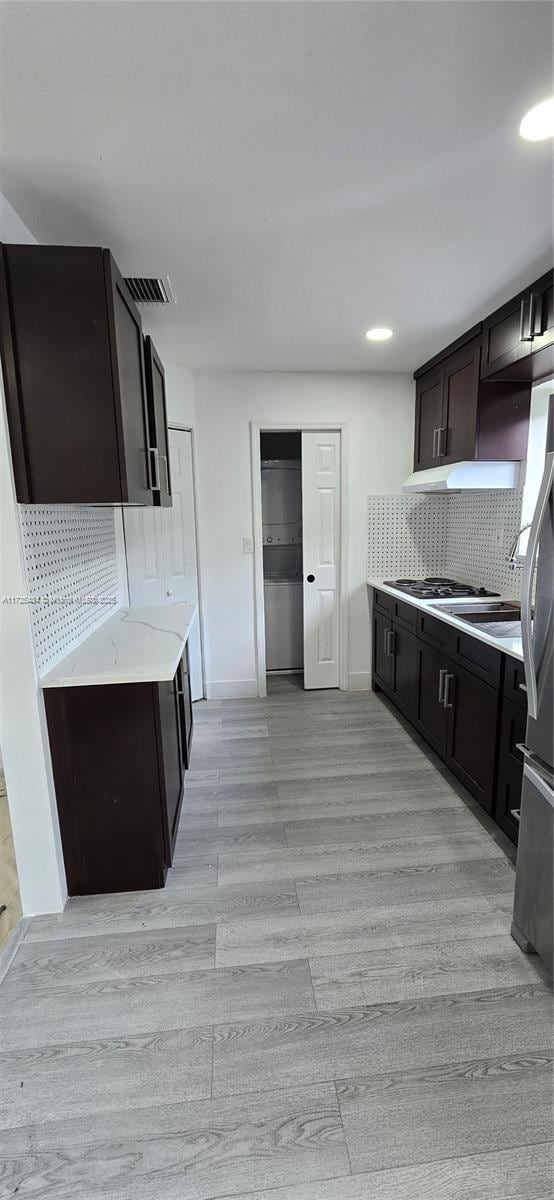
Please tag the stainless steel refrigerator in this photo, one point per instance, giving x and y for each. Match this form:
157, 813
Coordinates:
534, 894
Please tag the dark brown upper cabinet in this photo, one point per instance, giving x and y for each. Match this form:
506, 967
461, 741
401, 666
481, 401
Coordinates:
460, 417
72, 354
518, 339
158, 448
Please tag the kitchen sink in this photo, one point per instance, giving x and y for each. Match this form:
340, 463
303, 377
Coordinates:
501, 618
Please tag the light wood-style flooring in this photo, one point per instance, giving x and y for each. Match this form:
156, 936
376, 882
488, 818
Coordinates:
324, 1003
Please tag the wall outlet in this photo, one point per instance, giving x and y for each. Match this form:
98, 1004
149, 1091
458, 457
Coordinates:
248, 545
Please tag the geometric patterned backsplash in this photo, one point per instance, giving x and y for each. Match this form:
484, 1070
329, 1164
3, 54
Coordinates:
480, 531
466, 536
71, 572
406, 536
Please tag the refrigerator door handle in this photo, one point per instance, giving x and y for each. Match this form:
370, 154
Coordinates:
539, 783
527, 585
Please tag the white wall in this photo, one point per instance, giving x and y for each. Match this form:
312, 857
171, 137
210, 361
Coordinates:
379, 413
179, 390
23, 732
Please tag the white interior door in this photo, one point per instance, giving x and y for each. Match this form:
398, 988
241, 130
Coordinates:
321, 546
161, 548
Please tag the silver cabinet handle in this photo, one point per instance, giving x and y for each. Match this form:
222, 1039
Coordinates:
516, 814
535, 311
154, 460
391, 648
443, 438
527, 585
448, 680
163, 458
442, 677
436, 433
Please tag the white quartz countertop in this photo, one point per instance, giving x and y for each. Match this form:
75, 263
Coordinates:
134, 645
508, 645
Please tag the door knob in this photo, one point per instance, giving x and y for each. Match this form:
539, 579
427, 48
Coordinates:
169, 592
310, 578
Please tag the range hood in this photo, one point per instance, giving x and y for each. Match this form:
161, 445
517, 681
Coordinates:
465, 477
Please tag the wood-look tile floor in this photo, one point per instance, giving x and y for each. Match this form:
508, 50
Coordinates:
324, 1003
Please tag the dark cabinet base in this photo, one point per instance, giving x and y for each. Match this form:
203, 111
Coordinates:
462, 696
119, 754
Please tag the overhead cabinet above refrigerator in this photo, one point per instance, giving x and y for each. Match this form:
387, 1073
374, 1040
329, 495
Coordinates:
74, 375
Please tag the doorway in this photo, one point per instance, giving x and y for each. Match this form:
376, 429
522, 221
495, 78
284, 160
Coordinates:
299, 514
281, 479
161, 548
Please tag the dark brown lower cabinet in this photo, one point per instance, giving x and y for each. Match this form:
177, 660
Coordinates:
185, 707
431, 716
118, 754
382, 658
404, 650
449, 685
510, 767
472, 710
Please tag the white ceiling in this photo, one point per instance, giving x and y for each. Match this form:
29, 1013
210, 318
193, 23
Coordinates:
301, 170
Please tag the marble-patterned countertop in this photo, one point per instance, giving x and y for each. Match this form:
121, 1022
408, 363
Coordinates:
508, 645
134, 645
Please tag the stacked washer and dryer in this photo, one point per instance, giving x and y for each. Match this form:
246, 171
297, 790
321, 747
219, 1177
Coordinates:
282, 557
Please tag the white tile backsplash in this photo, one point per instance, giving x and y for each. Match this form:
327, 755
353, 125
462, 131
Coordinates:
71, 567
465, 536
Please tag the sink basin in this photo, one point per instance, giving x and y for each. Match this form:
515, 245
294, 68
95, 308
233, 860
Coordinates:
500, 618
483, 613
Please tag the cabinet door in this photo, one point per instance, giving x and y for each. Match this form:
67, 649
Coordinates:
405, 669
428, 419
55, 349
157, 425
503, 344
382, 656
461, 389
544, 320
171, 757
510, 768
127, 352
432, 717
472, 707
185, 708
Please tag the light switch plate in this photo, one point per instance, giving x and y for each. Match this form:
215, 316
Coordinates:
248, 545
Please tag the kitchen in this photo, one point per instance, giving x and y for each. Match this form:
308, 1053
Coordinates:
285, 877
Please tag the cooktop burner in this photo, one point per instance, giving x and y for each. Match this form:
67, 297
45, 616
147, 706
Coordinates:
436, 587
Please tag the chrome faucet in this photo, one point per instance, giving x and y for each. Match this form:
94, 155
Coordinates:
512, 557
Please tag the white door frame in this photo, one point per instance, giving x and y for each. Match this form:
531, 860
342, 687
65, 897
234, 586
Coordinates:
256, 428
189, 429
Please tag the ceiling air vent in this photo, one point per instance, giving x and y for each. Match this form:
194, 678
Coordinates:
150, 291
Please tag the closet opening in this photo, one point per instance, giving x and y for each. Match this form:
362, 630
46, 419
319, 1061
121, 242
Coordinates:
281, 489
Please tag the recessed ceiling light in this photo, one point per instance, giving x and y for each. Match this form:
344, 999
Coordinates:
379, 334
538, 123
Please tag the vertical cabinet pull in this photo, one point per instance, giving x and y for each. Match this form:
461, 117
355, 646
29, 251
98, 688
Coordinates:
435, 443
154, 460
163, 459
448, 680
389, 643
443, 437
530, 317
535, 314
442, 677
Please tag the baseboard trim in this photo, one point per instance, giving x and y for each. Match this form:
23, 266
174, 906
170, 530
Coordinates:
11, 946
359, 681
231, 689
